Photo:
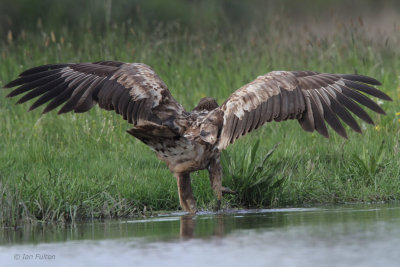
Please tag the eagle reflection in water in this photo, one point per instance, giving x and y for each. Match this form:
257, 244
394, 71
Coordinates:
188, 226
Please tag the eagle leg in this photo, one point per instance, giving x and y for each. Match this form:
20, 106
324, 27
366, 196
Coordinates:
215, 173
186, 198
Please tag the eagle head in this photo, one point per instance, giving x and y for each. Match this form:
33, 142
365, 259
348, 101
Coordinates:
211, 126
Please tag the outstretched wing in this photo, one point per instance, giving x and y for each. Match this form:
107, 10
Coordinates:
133, 90
310, 97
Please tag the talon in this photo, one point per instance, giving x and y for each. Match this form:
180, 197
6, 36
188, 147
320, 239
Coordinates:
227, 190
192, 208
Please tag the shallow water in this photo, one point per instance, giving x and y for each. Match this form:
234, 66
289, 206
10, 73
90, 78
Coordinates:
351, 235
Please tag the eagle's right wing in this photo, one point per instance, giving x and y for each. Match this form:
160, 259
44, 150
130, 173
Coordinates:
133, 90
310, 97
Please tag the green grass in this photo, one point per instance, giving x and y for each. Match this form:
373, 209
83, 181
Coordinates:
78, 166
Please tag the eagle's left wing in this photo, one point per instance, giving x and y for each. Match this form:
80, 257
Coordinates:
132, 90
310, 97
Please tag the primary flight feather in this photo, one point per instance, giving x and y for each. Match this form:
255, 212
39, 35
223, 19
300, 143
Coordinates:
191, 141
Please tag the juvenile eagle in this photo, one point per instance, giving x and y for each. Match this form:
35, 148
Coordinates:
191, 141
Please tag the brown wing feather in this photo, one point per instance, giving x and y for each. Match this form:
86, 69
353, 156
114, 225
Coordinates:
133, 90
310, 97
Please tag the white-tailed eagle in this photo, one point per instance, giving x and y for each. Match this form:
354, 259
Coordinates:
188, 141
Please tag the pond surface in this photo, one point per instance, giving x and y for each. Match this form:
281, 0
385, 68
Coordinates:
351, 235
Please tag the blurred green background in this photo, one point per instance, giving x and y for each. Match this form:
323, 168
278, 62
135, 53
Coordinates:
17, 15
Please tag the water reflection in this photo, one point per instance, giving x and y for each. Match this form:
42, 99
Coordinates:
187, 225
335, 236
205, 225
